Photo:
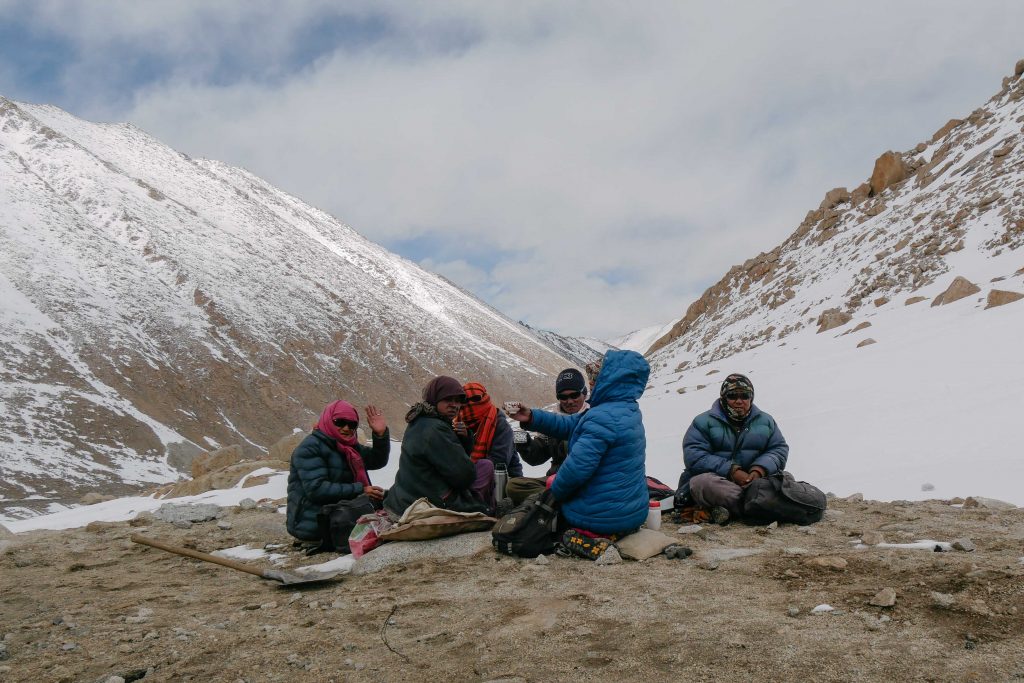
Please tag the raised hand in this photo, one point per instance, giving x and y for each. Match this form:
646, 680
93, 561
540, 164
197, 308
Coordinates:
375, 418
517, 411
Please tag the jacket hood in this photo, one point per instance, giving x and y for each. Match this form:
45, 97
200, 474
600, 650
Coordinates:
623, 377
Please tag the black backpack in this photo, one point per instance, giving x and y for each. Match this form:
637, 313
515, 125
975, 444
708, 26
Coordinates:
530, 529
336, 521
781, 498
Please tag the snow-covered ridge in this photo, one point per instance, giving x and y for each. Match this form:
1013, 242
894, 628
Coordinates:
156, 305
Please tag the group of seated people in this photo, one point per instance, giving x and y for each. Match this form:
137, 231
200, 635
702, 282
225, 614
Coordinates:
594, 442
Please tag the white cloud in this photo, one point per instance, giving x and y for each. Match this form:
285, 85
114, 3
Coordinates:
658, 145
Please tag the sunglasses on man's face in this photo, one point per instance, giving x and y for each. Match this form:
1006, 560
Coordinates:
569, 395
738, 396
340, 423
475, 399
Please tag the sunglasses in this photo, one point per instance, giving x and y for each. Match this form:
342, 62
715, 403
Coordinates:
475, 399
738, 396
569, 396
339, 423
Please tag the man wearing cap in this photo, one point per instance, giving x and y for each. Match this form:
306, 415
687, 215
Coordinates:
724, 450
435, 463
571, 393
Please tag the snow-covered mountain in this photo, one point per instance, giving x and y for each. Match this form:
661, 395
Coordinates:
642, 339
580, 350
885, 333
155, 305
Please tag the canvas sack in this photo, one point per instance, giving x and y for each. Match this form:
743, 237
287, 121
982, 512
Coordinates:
781, 498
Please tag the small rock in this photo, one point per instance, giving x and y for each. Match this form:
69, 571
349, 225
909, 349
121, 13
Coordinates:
884, 598
690, 529
542, 560
224, 525
313, 605
809, 530
964, 545
182, 524
247, 504
823, 609
943, 600
795, 551
338, 604
269, 605
827, 561
831, 514
793, 611
115, 679
791, 574
854, 498
709, 565
68, 647
190, 512
3, 652
872, 538
990, 503
609, 556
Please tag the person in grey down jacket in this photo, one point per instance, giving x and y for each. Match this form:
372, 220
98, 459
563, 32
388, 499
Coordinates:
724, 450
330, 465
601, 485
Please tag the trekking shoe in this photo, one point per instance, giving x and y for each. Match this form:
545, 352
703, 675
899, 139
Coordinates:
583, 546
677, 552
719, 515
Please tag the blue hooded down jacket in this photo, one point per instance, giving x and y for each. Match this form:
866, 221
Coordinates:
712, 445
601, 485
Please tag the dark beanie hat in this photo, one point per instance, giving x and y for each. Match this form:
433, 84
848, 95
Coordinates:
442, 387
570, 379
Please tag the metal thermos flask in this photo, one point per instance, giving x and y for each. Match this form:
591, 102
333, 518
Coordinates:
500, 479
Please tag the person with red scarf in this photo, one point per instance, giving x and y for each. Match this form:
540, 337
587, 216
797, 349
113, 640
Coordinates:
330, 465
492, 435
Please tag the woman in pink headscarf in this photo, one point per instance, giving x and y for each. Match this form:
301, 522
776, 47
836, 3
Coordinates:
330, 465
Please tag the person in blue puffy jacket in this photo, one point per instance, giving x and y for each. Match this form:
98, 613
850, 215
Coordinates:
601, 486
724, 450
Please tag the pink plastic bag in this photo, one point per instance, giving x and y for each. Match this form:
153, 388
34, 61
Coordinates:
366, 533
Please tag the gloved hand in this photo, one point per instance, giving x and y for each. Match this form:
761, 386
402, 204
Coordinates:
740, 477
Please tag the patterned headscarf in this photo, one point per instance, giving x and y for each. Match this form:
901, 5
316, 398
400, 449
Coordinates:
735, 382
346, 446
481, 416
593, 370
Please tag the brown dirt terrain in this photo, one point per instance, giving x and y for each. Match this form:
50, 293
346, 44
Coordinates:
75, 607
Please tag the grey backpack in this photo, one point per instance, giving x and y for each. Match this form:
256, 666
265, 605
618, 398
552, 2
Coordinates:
781, 498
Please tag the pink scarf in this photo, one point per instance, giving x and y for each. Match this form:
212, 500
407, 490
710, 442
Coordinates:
346, 447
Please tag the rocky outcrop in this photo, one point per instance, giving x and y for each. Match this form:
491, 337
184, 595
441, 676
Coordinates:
224, 478
889, 170
1001, 297
831, 319
216, 460
283, 447
958, 289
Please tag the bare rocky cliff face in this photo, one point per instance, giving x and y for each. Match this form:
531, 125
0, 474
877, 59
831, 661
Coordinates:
883, 240
156, 306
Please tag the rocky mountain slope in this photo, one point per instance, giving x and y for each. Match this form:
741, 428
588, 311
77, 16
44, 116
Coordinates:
961, 191
580, 350
884, 333
155, 306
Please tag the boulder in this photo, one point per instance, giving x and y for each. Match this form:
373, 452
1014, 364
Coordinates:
225, 478
889, 170
914, 300
867, 342
990, 503
1019, 68
831, 319
404, 552
1001, 297
958, 289
216, 460
189, 512
881, 301
182, 454
942, 132
839, 195
283, 447
884, 598
828, 562
92, 498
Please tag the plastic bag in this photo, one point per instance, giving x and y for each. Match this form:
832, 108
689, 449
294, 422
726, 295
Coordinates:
366, 533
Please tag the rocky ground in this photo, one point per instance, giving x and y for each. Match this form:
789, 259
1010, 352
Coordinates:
89, 605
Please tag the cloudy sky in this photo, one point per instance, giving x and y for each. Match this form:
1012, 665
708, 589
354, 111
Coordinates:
588, 167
